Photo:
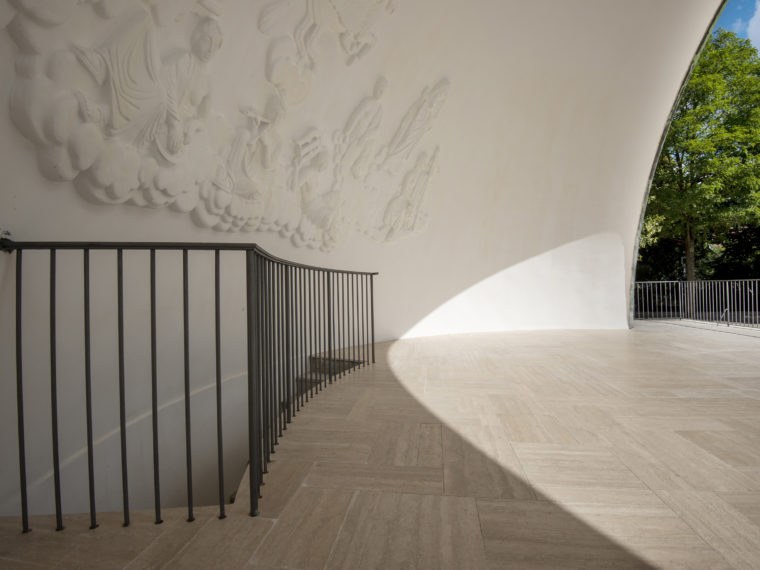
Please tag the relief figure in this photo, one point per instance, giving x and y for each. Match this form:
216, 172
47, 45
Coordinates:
153, 103
417, 121
403, 215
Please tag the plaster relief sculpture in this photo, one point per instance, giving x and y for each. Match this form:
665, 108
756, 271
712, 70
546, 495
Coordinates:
242, 189
110, 8
354, 143
286, 72
156, 108
318, 208
297, 26
151, 102
117, 98
46, 13
417, 121
356, 20
132, 137
7, 13
348, 20
27, 32
403, 214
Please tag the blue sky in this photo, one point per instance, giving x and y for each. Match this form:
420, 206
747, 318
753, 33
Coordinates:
743, 18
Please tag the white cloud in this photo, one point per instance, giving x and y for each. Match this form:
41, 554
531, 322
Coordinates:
739, 27
753, 26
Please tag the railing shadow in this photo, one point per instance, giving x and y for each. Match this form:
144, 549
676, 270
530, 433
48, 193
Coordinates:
424, 495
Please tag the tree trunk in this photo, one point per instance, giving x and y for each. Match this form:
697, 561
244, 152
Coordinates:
691, 273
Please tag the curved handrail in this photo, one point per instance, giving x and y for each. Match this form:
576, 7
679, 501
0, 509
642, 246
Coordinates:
305, 326
9, 245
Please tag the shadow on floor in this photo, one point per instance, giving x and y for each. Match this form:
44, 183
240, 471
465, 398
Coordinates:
366, 476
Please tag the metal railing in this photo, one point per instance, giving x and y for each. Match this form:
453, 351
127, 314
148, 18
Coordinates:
305, 326
733, 302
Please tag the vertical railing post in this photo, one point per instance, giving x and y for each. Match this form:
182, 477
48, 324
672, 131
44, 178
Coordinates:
678, 297
265, 339
362, 323
328, 279
689, 300
372, 312
54, 398
282, 405
649, 300
154, 386
288, 345
365, 301
122, 388
636, 300
302, 363
20, 398
728, 305
279, 345
88, 388
274, 291
303, 350
186, 360
659, 300
324, 374
319, 307
259, 356
266, 335
312, 330
354, 329
343, 322
254, 384
218, 345
296, 298
272, 342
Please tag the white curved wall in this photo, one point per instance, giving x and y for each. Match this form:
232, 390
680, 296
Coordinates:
550, 125
543, 117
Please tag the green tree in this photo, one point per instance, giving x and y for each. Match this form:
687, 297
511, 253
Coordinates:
707, 180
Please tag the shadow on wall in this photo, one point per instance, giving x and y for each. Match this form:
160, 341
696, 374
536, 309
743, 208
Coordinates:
579, 284
70, 380
139, 434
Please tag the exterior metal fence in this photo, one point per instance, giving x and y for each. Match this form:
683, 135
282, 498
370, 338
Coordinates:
730, 302
305, 326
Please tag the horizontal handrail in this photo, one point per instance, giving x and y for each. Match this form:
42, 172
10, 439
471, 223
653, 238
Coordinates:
698, 281
9, 245
305, 326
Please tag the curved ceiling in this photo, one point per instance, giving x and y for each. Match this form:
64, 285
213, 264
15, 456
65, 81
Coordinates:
439, 142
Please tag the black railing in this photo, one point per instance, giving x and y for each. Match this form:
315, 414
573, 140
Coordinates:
304, 327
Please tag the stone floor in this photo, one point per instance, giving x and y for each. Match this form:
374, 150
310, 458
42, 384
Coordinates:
566, 449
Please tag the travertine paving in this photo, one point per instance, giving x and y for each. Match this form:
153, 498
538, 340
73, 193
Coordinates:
566, 449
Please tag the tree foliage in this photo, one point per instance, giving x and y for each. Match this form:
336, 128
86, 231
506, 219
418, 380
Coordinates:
706, 186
